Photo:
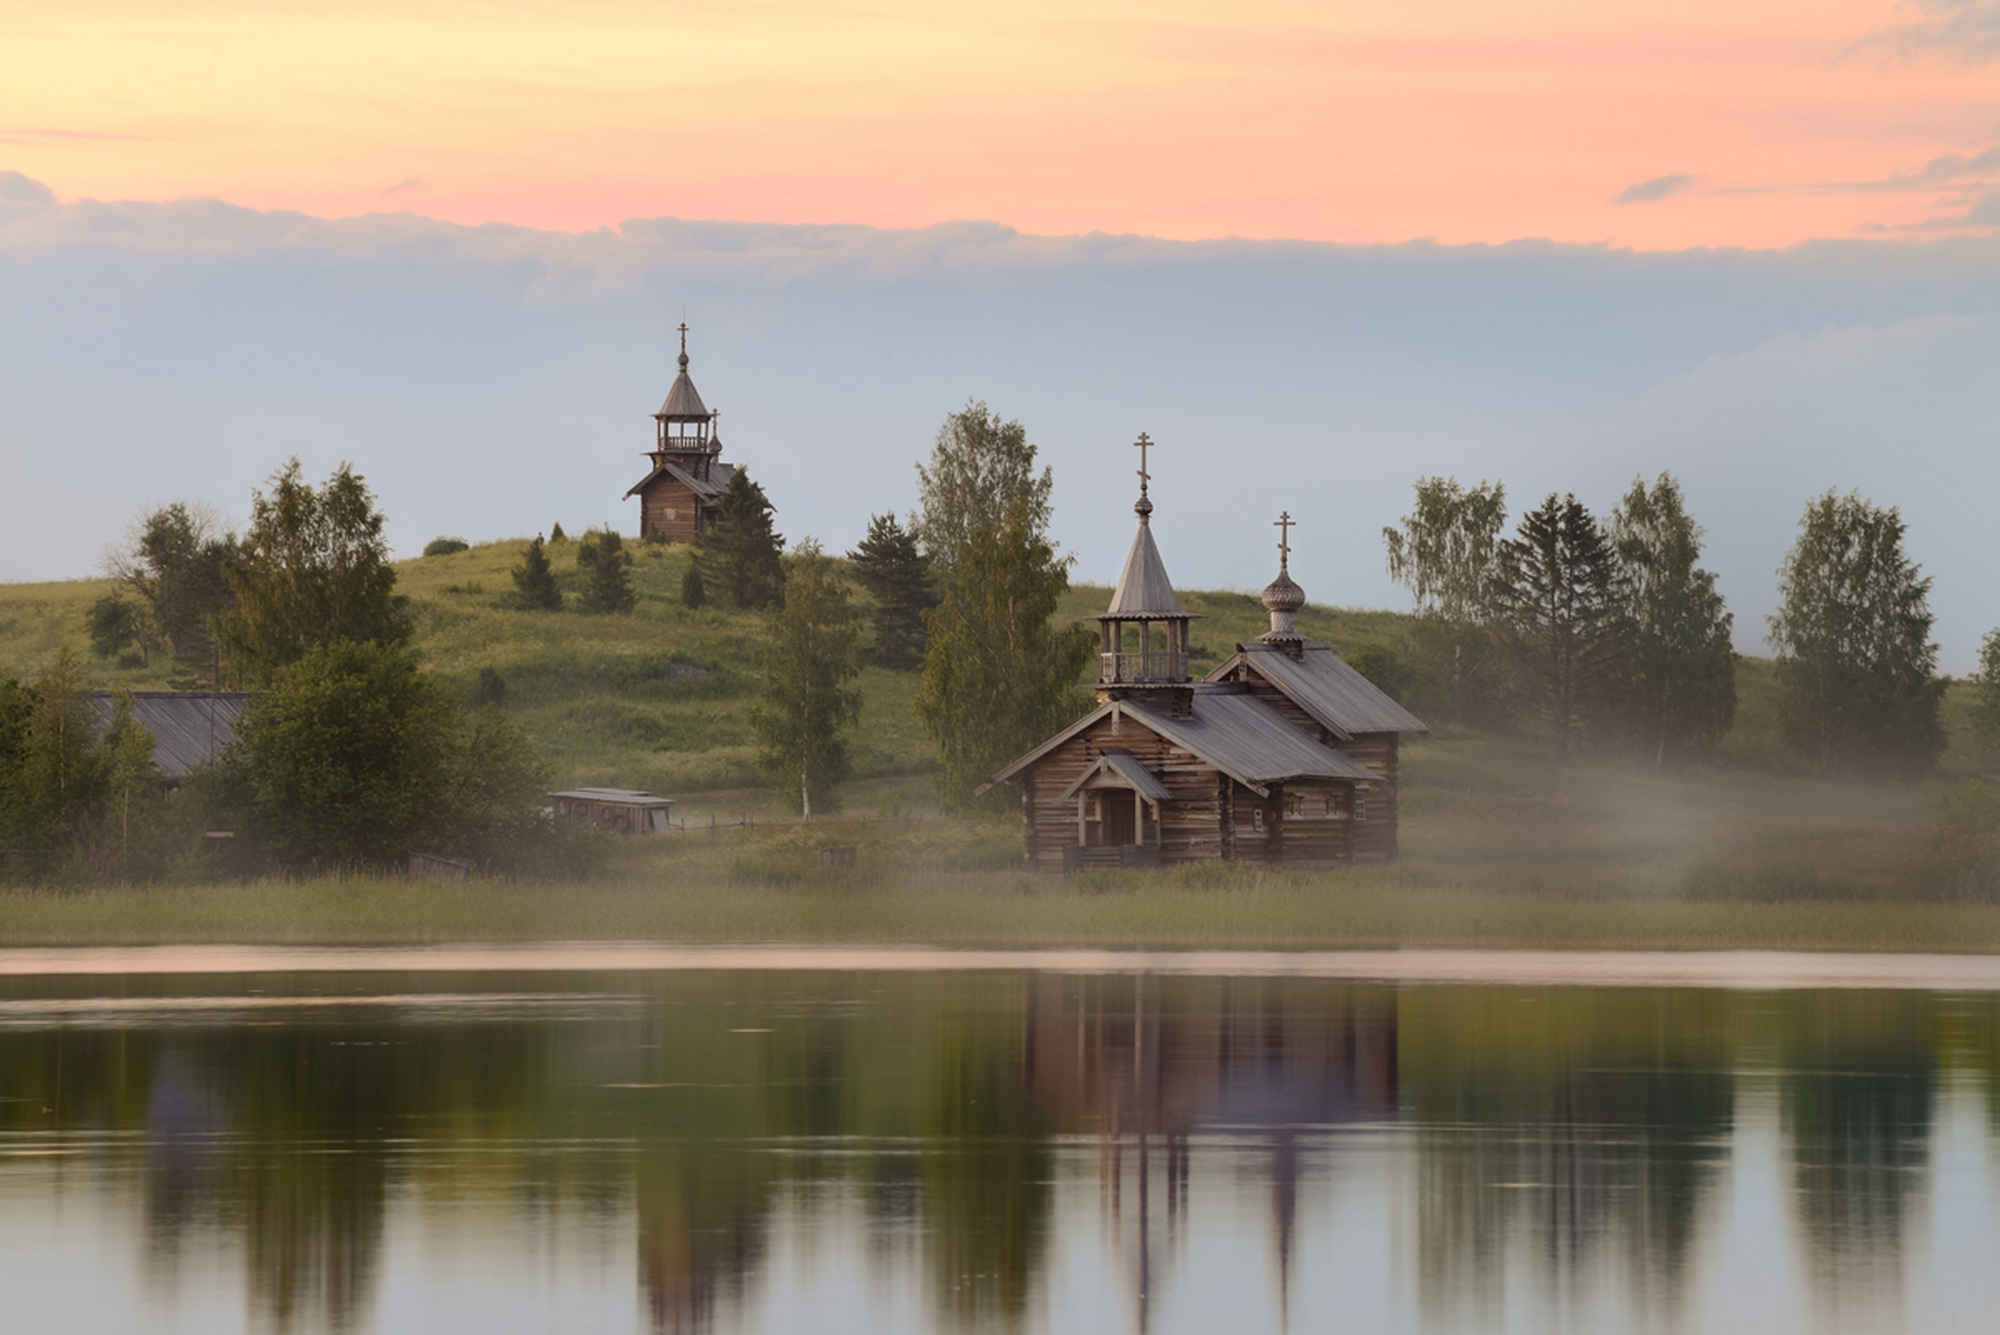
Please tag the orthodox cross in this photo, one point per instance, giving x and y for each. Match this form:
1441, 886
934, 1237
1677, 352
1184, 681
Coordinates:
1144, 443
684, 338
1284, 526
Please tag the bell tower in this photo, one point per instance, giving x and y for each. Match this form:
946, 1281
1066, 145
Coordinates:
1143, 635
686, 431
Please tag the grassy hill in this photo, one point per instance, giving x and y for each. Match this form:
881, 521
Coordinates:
660, 698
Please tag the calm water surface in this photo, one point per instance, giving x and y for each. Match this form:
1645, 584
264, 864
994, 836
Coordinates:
905, 1150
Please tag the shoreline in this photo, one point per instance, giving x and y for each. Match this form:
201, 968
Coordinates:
1752, 970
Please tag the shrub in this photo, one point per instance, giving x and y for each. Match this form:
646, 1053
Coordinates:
491, 690
607, 571
446, 546
692, 592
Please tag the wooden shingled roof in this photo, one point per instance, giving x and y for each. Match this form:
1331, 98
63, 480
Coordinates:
190, 728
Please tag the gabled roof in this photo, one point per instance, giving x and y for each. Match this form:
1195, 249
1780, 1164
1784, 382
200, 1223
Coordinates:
1245, 739
717, 483
190, 728
1143, 587
1127, 767
1327, 687
683, 404
1231, 730
631, 797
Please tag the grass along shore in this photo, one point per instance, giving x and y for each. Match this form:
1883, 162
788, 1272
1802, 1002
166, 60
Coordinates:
1501, 849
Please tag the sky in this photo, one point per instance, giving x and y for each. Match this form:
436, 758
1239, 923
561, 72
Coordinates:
1642, 123
1316, 252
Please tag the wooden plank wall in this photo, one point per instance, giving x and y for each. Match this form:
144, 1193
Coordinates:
667, 511
1374, 838
1190, 824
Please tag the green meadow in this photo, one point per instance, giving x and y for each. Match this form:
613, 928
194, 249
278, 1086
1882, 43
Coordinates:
1501, 846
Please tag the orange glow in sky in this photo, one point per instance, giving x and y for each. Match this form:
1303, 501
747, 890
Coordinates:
1756, 124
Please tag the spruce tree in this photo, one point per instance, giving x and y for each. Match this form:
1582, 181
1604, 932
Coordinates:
898, 576
693, 595
556, 534
738, 554
1986, 694
607, 572
535, 581
1679, 689
1558, 599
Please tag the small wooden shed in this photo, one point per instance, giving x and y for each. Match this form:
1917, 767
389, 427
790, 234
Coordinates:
626, 810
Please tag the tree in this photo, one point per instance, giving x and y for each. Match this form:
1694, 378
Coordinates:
1447, 555
178, 567
897, 575
1986, 692
692, 593
115, 625
607, 572
130, 773
354, 758
56, 778
535, 581
804, 701
999, 675
312, 571
1856, 664
738, 554
980, 468
1680, 682
556, 533
1558, 602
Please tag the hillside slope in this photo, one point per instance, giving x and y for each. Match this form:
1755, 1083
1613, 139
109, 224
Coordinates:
660, 698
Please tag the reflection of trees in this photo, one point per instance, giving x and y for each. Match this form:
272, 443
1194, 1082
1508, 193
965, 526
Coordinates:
1857, 1093
1581, 1119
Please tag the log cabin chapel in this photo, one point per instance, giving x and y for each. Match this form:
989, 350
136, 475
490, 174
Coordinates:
1282, 754
688, 477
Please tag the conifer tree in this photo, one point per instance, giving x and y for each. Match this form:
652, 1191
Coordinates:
607, 572
535, 581
738, 554
1853, 635
1558, 599
556, 533
693, 594
897, 575
805, 703
1680, 684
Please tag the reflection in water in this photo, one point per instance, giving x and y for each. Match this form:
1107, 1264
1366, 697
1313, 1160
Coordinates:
692, 1151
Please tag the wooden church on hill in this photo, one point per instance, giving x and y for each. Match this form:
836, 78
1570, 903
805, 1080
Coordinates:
1283, 754
688, 476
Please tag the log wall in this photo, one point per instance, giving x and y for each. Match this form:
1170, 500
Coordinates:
1190, 826
667, 511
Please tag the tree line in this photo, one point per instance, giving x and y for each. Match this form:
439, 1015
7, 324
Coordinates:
1614, 635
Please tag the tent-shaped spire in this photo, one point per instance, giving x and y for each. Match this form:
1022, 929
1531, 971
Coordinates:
683, 403
1143, 588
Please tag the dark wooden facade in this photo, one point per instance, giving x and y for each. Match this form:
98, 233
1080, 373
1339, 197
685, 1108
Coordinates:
687, 478
1285, 755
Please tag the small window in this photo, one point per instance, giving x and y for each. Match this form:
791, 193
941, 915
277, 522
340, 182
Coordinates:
1331, 803
1295, 804
1256, 818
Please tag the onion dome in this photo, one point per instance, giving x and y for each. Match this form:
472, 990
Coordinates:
1282, 597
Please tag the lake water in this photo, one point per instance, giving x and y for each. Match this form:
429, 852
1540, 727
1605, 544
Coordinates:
1128, 1145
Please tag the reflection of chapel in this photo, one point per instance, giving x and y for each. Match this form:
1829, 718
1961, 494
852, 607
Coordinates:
1283, 754
677, 498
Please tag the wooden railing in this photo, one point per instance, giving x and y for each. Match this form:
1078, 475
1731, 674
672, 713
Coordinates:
1143, 665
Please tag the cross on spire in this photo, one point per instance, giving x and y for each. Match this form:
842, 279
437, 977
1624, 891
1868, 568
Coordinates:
1284, 524
1144, 443
684, 344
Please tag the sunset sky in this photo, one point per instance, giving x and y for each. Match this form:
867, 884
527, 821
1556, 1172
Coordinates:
1648, 125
